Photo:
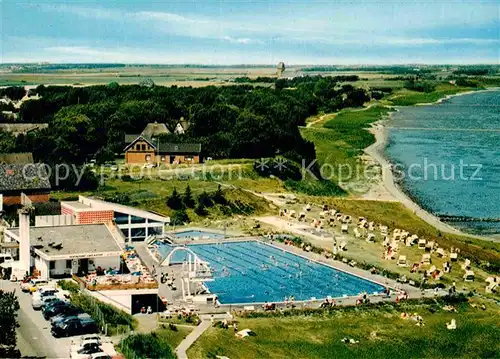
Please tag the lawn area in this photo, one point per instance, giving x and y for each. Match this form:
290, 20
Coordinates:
380, 331
406, 97
343, 138
174, 338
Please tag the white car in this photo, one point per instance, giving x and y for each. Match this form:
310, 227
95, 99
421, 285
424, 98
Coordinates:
92, 347
39, 303
44, 292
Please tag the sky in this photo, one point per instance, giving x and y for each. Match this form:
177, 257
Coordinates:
228, 32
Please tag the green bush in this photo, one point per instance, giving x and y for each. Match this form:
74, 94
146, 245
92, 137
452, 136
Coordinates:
69, 285
315, 188
140, 346
102, 311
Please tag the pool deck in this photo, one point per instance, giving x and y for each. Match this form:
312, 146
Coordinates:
174, 296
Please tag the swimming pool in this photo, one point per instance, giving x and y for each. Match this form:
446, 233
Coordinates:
254, 272
199, 234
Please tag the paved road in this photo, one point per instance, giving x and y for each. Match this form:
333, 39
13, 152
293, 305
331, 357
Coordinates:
33, 334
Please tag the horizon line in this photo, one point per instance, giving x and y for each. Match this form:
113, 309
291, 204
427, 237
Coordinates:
250, 64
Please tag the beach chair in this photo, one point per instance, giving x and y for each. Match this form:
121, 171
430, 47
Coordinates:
446, 267
466, 265
491, 288
469, 276
322, 215
440, 252
413, 239
386, 241
343, 246
344, 228
357, 233
454, 256
370, 237
426, 259
383, 230
421, 243
451, 325
402, 261
371, 226
429, 246
308, 207
431, 270
292, 214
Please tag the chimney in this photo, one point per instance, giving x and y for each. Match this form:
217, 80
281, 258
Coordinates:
24, 233
24, 240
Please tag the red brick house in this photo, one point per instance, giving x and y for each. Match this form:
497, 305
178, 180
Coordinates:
144, 150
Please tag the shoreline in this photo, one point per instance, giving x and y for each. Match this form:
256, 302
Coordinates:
377, 152
447, 97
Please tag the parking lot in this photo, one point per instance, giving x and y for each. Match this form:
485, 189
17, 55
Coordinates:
33, 335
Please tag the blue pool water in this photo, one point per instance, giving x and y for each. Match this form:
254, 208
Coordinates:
254, 272
200, 234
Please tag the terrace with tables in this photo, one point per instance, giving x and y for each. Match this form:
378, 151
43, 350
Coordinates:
134, 274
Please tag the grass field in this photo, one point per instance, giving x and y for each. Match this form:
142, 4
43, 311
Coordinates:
161, 75
406, 97
173, 338
341, 139
152, 195
380, 331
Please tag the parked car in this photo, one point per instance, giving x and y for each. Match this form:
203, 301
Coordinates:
63, 317
84, 350
74, 326
91, 346
61, 311
38, 298
45, 290
50, 310
38, 302
33, 284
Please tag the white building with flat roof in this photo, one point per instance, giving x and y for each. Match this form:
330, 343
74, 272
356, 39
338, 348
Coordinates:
62, 251
135, 224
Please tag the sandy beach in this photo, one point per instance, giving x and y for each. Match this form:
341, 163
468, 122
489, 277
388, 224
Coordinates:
389, 186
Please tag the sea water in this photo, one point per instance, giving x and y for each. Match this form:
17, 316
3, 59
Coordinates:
449, 154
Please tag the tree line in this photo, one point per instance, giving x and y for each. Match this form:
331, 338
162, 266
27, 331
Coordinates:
230, 122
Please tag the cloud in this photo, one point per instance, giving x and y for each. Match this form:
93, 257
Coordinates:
243, 40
